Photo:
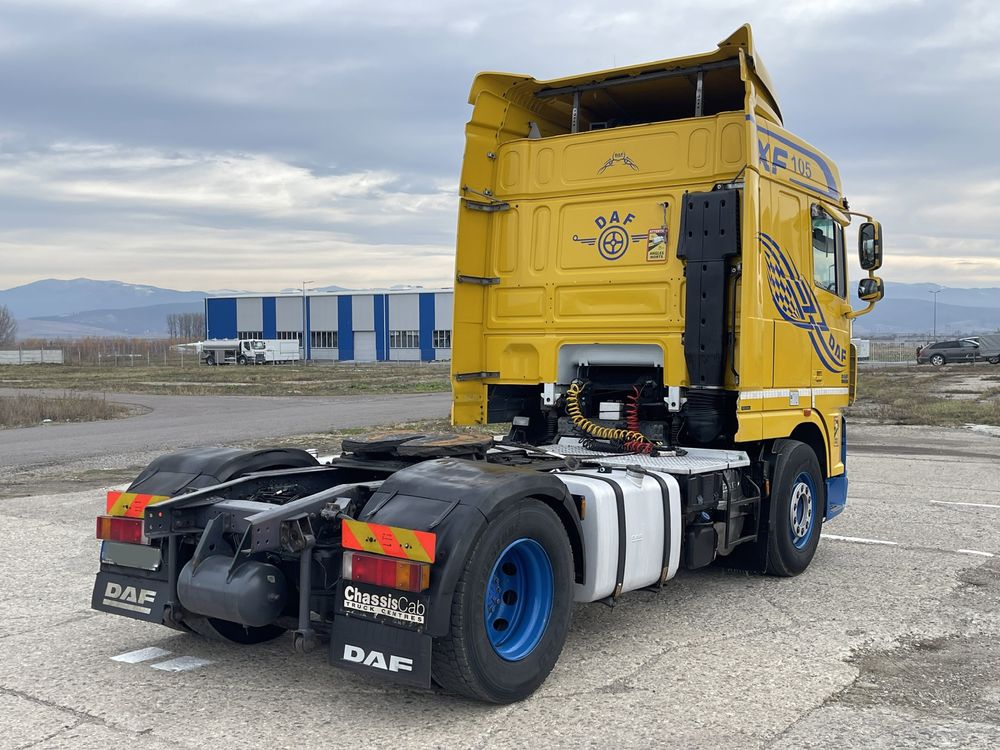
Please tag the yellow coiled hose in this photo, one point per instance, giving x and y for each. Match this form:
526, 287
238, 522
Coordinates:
591, 428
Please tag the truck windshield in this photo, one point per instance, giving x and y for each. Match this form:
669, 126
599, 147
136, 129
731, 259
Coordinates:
258, 345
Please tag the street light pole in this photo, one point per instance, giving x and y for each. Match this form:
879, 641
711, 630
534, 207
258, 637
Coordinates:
305, 333
935, 292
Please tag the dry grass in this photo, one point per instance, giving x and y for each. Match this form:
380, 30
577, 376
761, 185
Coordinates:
948, 397
282, 380
27, 410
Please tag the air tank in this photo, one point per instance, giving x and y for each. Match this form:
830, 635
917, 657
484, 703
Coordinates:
254, 595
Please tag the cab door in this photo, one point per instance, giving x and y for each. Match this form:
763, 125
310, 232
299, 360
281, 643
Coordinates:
831, 336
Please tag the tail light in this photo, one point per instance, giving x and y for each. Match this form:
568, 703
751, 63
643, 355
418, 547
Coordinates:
120, 529
405, 575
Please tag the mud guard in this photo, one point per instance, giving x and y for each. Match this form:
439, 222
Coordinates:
195, 468
456, 499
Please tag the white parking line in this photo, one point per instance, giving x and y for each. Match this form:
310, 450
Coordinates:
859, 540
143, 654
974, 505
181, 664
975, 552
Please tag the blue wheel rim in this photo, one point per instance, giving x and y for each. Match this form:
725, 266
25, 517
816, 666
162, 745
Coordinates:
518, 599
803, 507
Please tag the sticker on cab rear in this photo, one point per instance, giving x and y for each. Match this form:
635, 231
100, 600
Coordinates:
656, 245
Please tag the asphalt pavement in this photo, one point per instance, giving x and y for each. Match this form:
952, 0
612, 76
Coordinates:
889, 639
171, 422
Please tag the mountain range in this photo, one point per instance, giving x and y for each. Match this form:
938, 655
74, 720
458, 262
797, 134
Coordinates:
74, 308
78, 308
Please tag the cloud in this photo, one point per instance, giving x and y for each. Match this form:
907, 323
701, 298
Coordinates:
256, 186
319, 134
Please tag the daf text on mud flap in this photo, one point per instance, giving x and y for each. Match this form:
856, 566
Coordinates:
128, 597
377, 660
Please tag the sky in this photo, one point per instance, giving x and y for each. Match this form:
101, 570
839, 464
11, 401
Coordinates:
257, 144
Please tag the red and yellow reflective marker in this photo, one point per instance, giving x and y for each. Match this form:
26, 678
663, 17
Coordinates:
131, 504
388, 540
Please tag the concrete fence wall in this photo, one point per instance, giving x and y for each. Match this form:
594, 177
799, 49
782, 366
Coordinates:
31, 356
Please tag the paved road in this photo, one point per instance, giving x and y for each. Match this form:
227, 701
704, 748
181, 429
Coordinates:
183, 421
890, 639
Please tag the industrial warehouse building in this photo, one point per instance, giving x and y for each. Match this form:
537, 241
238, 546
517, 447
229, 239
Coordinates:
346, 326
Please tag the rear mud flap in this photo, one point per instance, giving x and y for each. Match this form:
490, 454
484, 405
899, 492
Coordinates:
139, 598
373, 649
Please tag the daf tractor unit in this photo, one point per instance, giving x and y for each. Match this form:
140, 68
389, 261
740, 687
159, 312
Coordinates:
651, 290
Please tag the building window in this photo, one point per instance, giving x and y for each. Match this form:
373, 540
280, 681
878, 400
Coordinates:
243, 335
828, 253
290, 336
442, 340
404, 339
323, 339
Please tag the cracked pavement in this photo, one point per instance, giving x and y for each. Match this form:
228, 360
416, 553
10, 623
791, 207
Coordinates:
876, 645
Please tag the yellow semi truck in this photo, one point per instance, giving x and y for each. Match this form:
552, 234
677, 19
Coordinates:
652, 290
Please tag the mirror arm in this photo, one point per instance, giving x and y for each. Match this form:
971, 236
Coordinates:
858, 313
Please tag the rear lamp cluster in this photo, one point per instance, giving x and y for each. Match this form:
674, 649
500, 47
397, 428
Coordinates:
405, 575
120, 529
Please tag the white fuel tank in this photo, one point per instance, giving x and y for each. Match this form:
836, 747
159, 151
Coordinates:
650, 507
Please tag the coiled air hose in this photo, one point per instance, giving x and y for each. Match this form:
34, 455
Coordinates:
631, 440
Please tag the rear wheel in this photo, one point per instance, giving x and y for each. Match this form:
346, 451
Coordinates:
994, 360
937, 360
231, 632
511, 609
797, 504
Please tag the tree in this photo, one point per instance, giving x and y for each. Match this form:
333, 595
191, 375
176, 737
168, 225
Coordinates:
186, 325
8, 327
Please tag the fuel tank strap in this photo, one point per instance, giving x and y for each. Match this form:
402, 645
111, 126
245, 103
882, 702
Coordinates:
665, 494
622, 530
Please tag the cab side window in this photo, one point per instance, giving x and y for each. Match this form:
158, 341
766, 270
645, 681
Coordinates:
829, 271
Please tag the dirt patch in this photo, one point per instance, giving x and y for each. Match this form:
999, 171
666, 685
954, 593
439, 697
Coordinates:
947, 677
57, 480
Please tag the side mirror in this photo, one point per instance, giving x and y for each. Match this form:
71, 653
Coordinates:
870, 246
871, 289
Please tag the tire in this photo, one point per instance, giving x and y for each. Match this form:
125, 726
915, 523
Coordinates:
994, 360
798, 500
502, 647
937, 360
232, 632
242, 360
210, 359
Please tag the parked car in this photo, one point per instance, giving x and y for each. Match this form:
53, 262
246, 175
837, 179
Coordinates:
960, 350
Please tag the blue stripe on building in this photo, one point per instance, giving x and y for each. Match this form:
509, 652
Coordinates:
220, 318
306, 343
345, 328
381, 327
426, 326
270, 314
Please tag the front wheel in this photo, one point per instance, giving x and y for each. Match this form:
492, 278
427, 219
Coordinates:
937, 360
511, 609
994, 360
798, 501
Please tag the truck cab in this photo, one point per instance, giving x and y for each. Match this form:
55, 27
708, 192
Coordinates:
657, 227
